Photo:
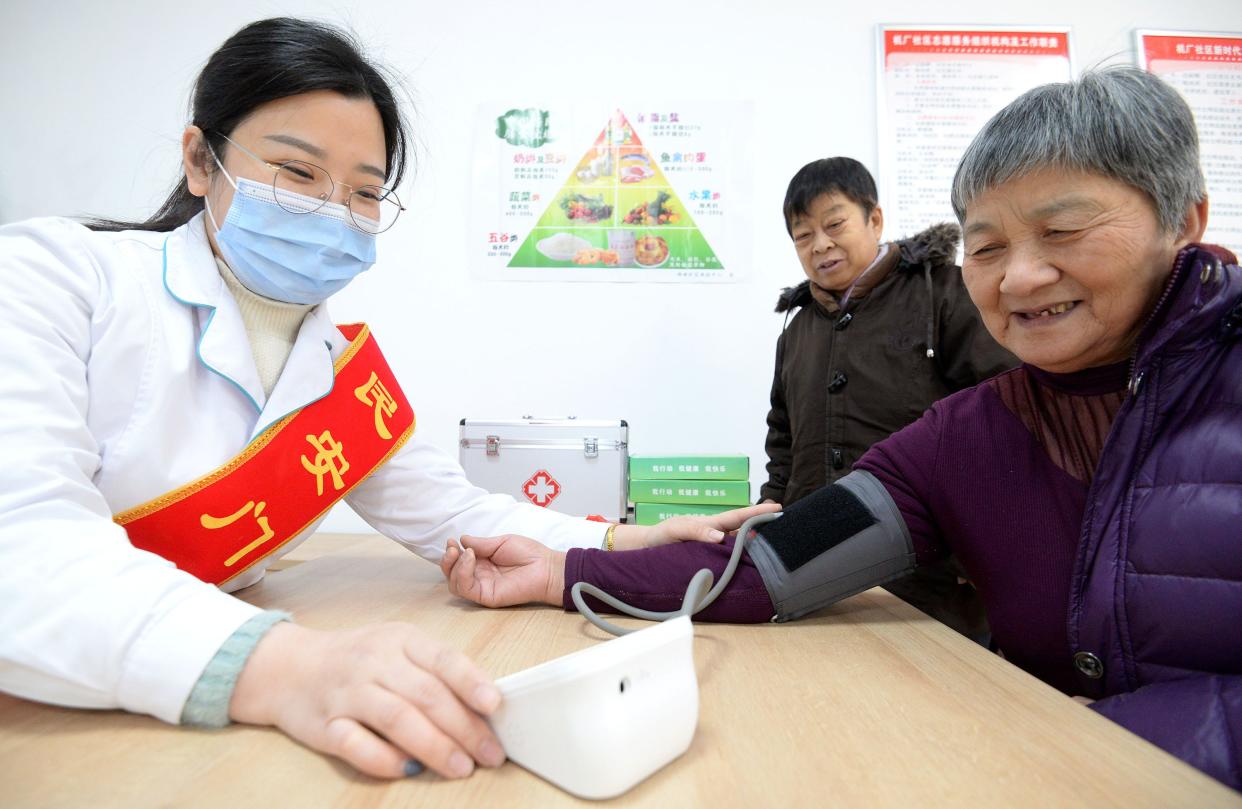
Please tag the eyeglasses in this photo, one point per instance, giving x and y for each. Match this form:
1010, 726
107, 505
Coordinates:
373, 208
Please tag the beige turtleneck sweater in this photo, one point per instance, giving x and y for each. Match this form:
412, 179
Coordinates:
272, 326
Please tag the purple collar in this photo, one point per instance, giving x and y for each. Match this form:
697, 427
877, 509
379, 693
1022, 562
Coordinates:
1194, 299
1087, 382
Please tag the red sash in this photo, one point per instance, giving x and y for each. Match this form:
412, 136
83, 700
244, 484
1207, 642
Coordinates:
218, 526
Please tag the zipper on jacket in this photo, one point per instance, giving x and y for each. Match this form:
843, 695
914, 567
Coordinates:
1132, 384
1086, 533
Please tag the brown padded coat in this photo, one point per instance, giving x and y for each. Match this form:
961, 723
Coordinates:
848, 378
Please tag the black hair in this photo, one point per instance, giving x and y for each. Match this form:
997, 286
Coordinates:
831, 175
266, 61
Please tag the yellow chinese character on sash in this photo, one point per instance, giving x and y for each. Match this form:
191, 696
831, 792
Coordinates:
375, 395
329, 459
212, 523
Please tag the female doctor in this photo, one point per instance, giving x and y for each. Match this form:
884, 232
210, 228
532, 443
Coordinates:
139, 357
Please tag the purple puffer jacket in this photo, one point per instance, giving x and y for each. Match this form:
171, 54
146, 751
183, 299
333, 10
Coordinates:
1155, 613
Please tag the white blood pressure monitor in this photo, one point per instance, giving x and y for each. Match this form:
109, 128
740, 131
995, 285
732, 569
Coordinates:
598, 721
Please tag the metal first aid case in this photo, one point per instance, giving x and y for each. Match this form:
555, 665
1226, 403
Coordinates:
575, 466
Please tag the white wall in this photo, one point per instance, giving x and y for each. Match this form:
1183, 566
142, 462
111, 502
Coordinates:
94, 96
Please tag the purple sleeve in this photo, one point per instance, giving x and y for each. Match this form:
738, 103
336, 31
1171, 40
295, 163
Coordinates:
656, 579
1198, 719
906, 463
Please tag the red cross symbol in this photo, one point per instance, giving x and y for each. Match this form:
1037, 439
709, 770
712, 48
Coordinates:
541, 488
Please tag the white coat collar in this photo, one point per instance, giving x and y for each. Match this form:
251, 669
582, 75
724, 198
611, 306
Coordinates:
191, 277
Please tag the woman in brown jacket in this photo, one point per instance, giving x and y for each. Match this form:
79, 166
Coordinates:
882, 331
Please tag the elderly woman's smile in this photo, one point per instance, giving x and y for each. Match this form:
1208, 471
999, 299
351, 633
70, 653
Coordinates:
1039, 315
1066, 266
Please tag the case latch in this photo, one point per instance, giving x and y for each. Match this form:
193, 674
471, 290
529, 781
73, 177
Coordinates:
590, 447
493, 445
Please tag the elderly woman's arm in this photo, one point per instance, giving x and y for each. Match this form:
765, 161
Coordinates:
1198, 719
866, 549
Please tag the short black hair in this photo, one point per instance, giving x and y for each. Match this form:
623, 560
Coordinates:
831, 175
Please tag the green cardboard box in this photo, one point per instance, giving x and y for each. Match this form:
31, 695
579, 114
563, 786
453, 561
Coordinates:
689, 467
704, 492
652, 513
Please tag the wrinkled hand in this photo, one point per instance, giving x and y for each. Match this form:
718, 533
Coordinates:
503, 571
686, 529
375, 696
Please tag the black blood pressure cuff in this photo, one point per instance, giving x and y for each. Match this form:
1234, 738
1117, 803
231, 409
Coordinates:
845, 538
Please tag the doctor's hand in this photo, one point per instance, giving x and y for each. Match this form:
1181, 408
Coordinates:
687, 529
504, 571
386, 698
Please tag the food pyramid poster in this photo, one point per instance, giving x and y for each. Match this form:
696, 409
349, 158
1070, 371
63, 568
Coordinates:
616, 210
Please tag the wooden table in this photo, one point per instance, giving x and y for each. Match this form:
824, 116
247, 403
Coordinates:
869, 704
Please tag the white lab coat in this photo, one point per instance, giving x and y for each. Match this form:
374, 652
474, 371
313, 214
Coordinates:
125, 372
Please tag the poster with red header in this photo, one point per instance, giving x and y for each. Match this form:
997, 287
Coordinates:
938, 86
1206, 69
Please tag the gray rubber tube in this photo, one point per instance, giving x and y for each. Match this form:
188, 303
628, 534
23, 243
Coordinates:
694, 600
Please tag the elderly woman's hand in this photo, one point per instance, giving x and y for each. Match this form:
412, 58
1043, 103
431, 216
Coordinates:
508, 570
377, 697
504, 571
687, 529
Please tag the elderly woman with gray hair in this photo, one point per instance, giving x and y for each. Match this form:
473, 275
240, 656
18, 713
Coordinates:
1094, 493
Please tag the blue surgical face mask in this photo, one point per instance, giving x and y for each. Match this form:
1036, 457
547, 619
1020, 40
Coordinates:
291, 257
